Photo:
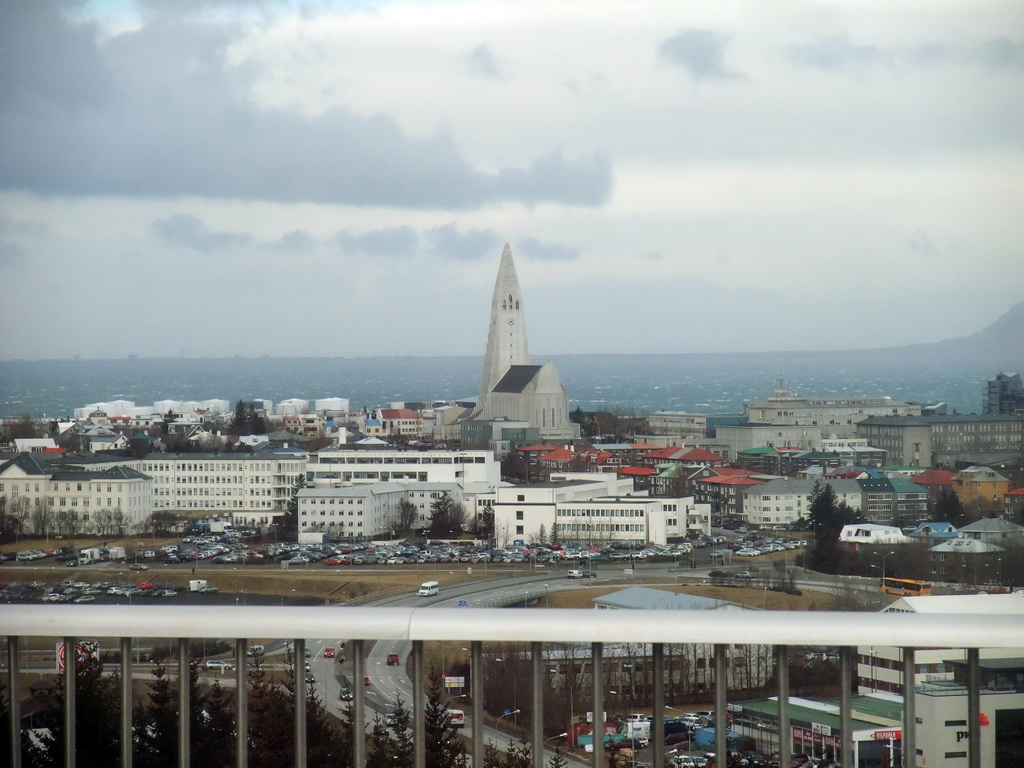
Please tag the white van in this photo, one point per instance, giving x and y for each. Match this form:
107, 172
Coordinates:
428, 588
458, 718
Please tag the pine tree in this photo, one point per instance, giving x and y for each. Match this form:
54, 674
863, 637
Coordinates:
557, 760
443, 746
155, 724
97, 722
292, 520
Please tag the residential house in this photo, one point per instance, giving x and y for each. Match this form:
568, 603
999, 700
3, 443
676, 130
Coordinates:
980, 489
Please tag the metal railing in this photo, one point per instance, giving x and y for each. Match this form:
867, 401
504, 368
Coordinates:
482, 625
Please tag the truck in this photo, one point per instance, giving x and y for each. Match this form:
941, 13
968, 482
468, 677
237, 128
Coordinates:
200, 585
90, 555
704, 738
311, 537
116, 553
636, 729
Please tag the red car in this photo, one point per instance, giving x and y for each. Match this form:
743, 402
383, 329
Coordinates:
328, 653
366, 681
393, 660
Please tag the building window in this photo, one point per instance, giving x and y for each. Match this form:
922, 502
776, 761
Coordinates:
519, 514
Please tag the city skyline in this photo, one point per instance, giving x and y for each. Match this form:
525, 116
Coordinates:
318, 178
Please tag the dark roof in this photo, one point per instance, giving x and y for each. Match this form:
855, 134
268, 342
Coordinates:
924, 421
516, 378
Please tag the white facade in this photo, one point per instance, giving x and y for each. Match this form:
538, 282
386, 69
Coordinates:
332, 405
257, 483
880, 668
587, 508
785, 501
292, 407
104, 495
371, 510
331, 467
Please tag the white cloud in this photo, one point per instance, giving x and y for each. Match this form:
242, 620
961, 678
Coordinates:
727, 158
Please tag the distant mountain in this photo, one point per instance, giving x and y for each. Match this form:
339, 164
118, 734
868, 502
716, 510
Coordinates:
1004, 338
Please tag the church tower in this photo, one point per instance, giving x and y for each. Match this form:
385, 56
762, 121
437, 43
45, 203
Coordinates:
506, 335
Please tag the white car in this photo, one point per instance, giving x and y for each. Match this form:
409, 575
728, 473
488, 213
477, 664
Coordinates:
221, 664
748, 553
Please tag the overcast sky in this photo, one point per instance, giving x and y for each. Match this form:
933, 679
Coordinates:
334, 178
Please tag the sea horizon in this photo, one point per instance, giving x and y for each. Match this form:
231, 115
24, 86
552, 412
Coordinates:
700, 382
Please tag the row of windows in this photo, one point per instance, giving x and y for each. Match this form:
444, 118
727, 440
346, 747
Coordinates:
600, 513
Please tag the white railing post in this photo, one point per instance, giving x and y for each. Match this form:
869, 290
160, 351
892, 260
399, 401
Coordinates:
300, 701
242, 703
356, 652
973, 708
14, 692
184, 704
537, 657
126, 702
721, 705
909, 740
597, 686
658, 725
70, 669
845, 706
419, 701
476, 683
785, 729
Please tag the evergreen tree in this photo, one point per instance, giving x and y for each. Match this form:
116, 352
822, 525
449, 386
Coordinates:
97, 721
444, 748
213, 725
442, 513
240, 419
827, 516
558, 760
155, 724
291, 521
949, 509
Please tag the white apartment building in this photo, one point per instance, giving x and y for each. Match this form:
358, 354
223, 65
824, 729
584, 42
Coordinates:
835, 415
371, 510
678, 423
881, 668
587, 508
331, 466
249, 486
784, 501
80, 498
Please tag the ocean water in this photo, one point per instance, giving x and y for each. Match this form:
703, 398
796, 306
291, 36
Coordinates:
701, 383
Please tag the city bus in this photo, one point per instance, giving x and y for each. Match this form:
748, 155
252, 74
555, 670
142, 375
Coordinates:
905, 587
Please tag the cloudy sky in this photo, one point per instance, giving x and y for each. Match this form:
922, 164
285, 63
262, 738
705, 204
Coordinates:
338, 178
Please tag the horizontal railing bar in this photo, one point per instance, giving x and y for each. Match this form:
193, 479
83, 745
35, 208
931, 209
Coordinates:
818, 628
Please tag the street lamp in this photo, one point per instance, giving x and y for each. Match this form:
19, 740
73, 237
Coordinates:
506, 713
884, 558
552, 738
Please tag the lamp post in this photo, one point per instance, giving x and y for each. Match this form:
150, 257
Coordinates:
506, 713
884, 558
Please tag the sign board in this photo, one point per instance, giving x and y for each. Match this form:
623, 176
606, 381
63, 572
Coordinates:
463, 603
806, 734
84, 650
452, 681
590, 717
887, 735
824, 730
628, 571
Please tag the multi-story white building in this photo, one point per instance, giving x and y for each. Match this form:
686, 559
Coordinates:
371, 510
836, 415
785, 501
332, 466
84, 497
590, 508
252, 487
678, 423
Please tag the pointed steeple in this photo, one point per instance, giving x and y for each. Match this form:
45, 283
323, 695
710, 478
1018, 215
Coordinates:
506, 335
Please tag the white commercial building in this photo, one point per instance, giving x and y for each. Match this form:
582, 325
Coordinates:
587, 508
372, 510
330, 467
95, 497
785, 501
251, 487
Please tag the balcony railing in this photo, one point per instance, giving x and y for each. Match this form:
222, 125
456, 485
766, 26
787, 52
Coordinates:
478, 626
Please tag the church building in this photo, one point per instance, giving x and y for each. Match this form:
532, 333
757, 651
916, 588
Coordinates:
518, 401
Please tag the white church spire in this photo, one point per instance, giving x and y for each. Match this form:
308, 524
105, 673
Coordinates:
506, 335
